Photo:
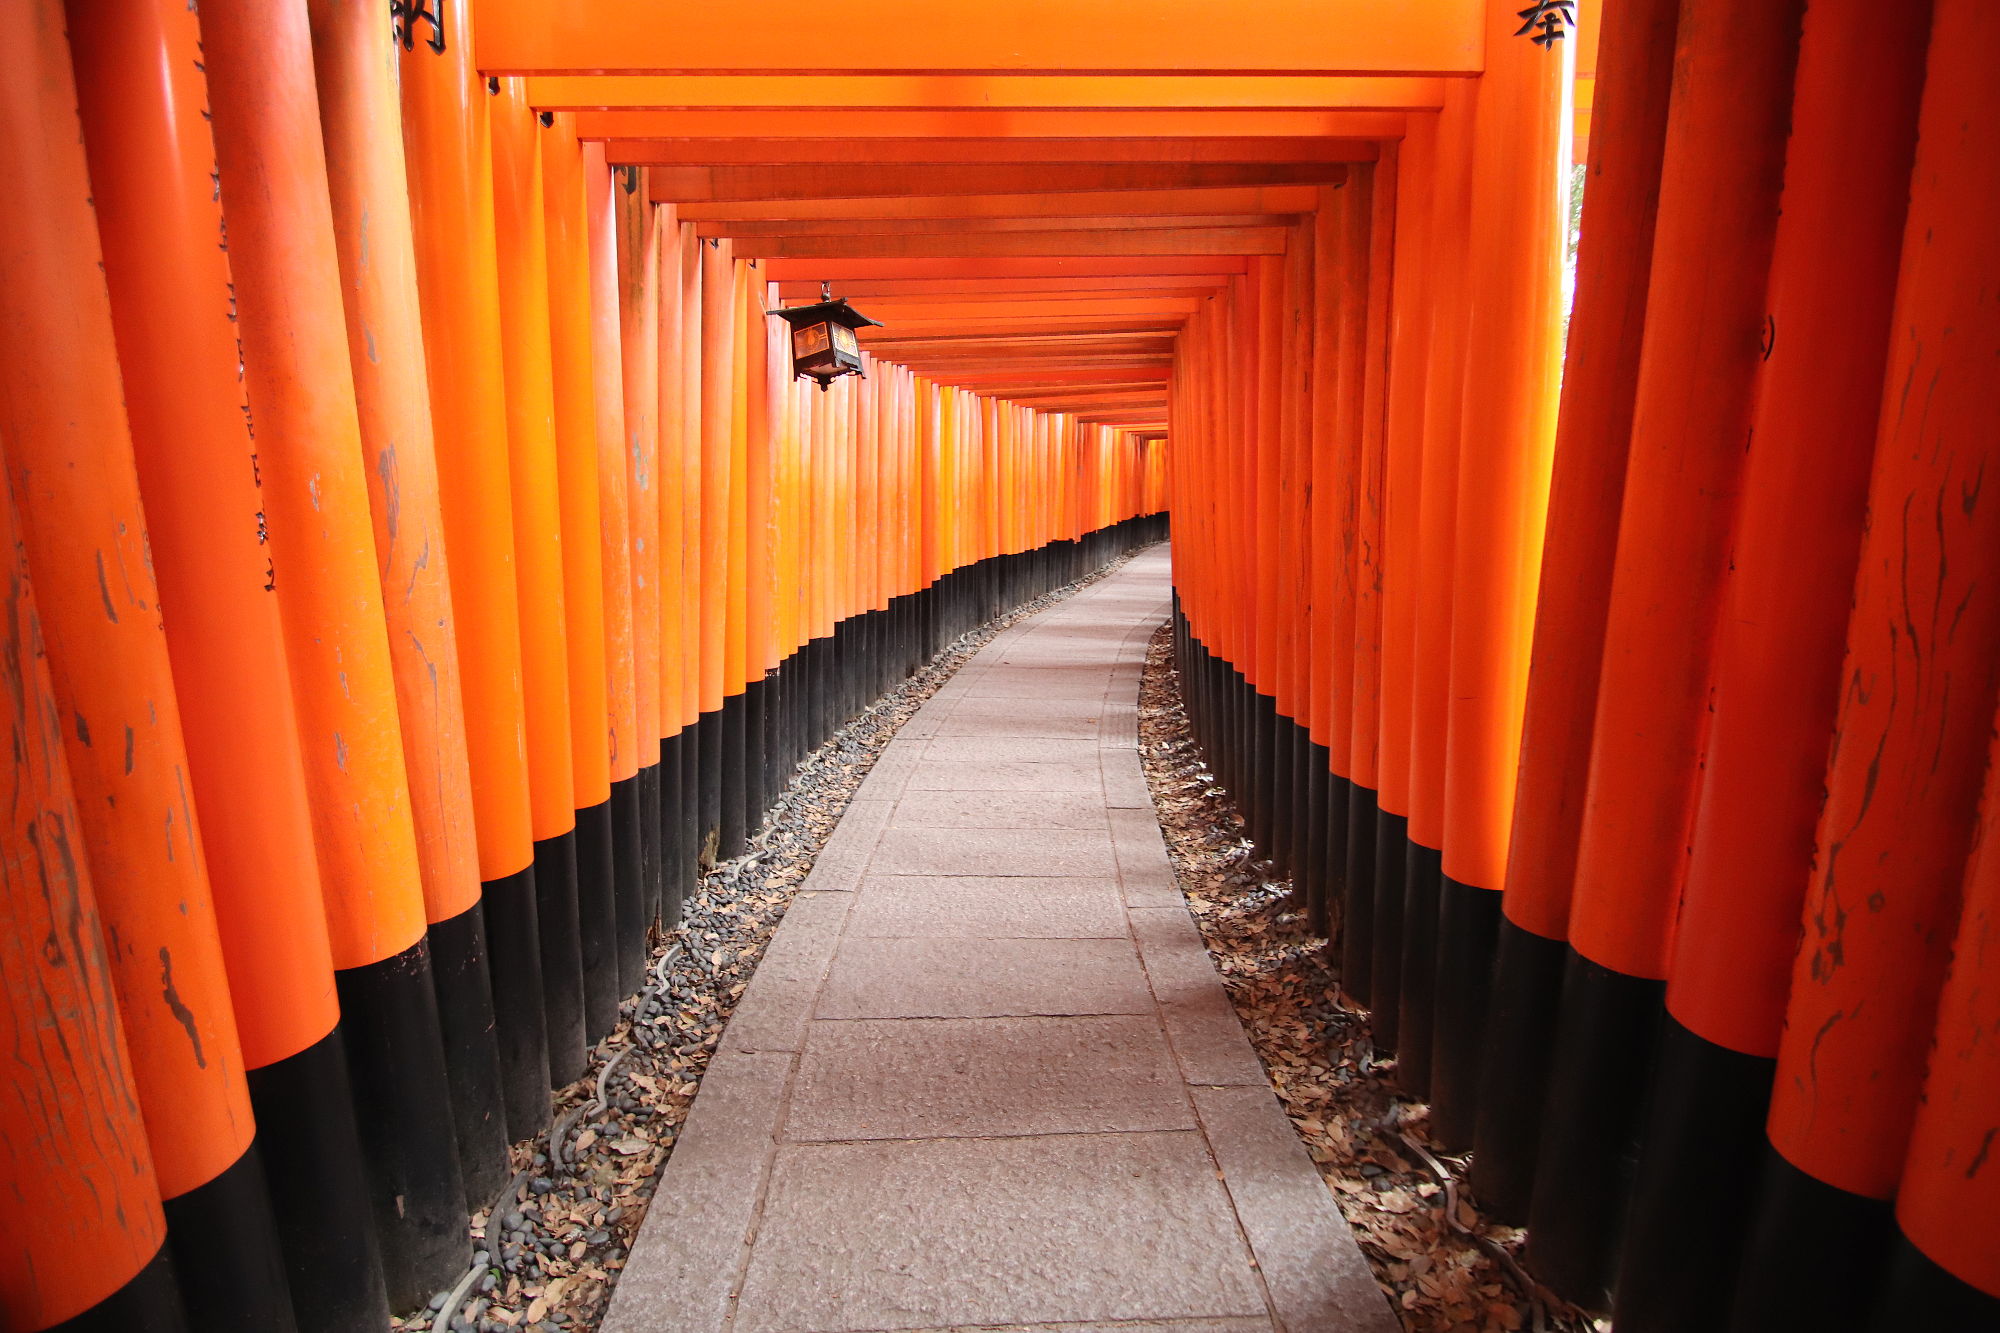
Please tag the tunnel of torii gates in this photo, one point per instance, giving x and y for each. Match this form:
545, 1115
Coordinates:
422, 558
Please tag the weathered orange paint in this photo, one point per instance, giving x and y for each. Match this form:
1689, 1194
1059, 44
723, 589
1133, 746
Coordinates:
144, 106
1691, 421
521, 232
361, 122
574, 376
1587, 482
1792, 561
1408, 344
447, 136
70, 1128
292, 331
1513, 366
1437, 494
68, 455
613, 501
639, 282
1910, 743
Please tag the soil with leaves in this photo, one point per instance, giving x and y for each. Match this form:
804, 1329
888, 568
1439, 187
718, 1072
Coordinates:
547, 1255
1444, 1268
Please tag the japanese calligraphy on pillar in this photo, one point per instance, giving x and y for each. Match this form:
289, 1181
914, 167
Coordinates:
1547, 22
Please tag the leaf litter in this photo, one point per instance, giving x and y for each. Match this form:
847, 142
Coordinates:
1443, 1266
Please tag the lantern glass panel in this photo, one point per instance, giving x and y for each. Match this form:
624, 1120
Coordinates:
812, 340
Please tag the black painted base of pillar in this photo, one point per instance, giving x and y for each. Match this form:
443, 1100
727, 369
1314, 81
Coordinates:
708, 792
670, 816
1514, 1076
1260, 791
466, 1023
1816, 1257
731, 830
686, 871
149, 1303
1917, 1294
1309, 886
514, 964
1392, 836
1468, 924
1331, 918
652, 851
1695, 1187
224, 1240
311, 1148
1357, 931
562, 957
597, 919
1305, 805
1423, 886
628, 818
402, 1108
1606, 1040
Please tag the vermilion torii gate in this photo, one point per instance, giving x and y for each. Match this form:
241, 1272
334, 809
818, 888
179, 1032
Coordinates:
423, 562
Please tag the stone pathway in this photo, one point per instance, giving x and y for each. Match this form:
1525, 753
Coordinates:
986, 1077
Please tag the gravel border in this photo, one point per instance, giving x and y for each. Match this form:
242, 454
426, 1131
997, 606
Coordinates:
567, 1222
1444, 1268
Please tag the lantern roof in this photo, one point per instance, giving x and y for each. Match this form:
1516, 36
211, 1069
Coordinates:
834, 311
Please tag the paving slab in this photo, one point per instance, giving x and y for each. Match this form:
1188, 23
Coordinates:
1317, 1277
946, 978
1074, 808
1012, 775
682, 1272
921, 851
1045, 1229
966, 750
985, 1078
975, 907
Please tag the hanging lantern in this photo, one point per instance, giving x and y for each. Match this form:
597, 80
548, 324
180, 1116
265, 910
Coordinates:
823, 343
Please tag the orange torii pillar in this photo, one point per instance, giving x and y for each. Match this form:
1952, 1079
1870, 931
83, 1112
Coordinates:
707, 388
637, 238
69, 452
1691, 422
521, 231
1358, 944
749, 445
573, 366
1264, 449
1908, 759
1408, 340
361, 122
1339, 305
1945, 1269
1430, 566
447, 135
681, 549
152, 170
630, 816
91, 1253
1299, 814
293, 335
1776, 678
1512, 366
678, 544
1586, 489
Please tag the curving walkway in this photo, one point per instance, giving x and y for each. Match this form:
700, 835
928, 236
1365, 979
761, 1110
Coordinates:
985, 1077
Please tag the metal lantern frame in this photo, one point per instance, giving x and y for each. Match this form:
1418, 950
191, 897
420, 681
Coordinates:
824, 346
